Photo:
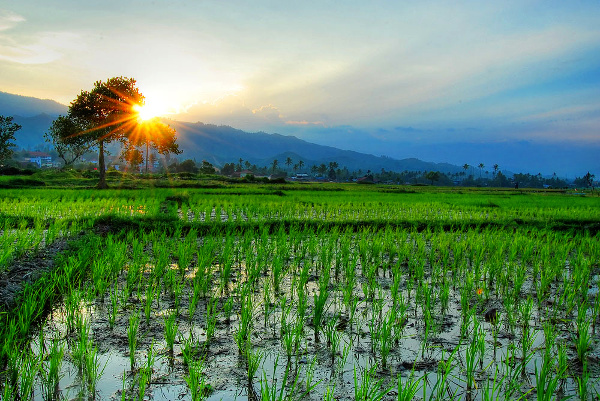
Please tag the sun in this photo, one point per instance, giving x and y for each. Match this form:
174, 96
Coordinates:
149, 111
144, 113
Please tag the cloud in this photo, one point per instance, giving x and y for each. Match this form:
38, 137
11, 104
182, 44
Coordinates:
33, 47
42, 49
269, 113
306, 123
8, 19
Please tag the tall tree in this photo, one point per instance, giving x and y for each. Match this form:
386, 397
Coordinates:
433, 176
300, 164
275, 163
109, 113
589, 180
65, 135
288, 162
481, 166
7, 135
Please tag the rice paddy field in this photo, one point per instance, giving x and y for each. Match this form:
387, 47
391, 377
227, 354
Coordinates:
299, 292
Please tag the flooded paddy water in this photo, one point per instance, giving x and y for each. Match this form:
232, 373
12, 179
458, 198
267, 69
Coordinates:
323, 315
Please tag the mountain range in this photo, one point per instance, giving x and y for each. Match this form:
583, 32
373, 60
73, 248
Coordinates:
218, 144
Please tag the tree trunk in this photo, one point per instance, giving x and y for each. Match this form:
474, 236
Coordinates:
102, 183
146, 155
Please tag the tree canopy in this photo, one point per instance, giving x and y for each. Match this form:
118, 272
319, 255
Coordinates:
109, 113
7, 135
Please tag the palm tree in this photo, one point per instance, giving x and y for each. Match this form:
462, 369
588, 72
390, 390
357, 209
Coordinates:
275, 163
466, 167
495, 169
300, 164
288, 162
481, 166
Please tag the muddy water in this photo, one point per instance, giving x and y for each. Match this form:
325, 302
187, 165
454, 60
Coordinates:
312, 367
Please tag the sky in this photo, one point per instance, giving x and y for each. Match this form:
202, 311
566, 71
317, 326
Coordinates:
393, 78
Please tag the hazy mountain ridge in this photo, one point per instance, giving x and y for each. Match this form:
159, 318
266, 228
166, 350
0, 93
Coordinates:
26, 106
224, 144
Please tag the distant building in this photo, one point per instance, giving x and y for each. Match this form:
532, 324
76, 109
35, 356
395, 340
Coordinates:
300, 177
242, 174
42, 159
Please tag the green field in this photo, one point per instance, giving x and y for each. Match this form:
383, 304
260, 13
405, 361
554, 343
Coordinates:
221, 290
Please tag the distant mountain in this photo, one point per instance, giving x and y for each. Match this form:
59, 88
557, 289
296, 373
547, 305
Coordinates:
33, 114
224, 144
217, 144
25, 106
31, 134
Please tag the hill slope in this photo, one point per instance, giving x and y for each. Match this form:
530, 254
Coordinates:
25, 106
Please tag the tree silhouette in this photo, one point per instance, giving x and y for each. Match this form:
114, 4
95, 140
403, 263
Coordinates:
589, 180
433, 176
495, 169
481, 166
7, 135
108, 113
288, 162
275, 163
300, 164
65, 136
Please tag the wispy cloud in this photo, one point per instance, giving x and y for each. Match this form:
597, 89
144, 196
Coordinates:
9, 19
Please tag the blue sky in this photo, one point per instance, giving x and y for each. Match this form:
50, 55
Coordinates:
341, 73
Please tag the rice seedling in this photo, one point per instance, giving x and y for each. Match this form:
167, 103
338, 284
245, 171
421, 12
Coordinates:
253, 361
80, 347
188, 351
113, 308
333, 337
583, 339
29, 367
470, 361
366, 387
320, 301
582, 384
51, 371
171, 330
212, 315
92, 369
385, 336
271, 391
132, 337
441, 389
407, 391
493, 389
